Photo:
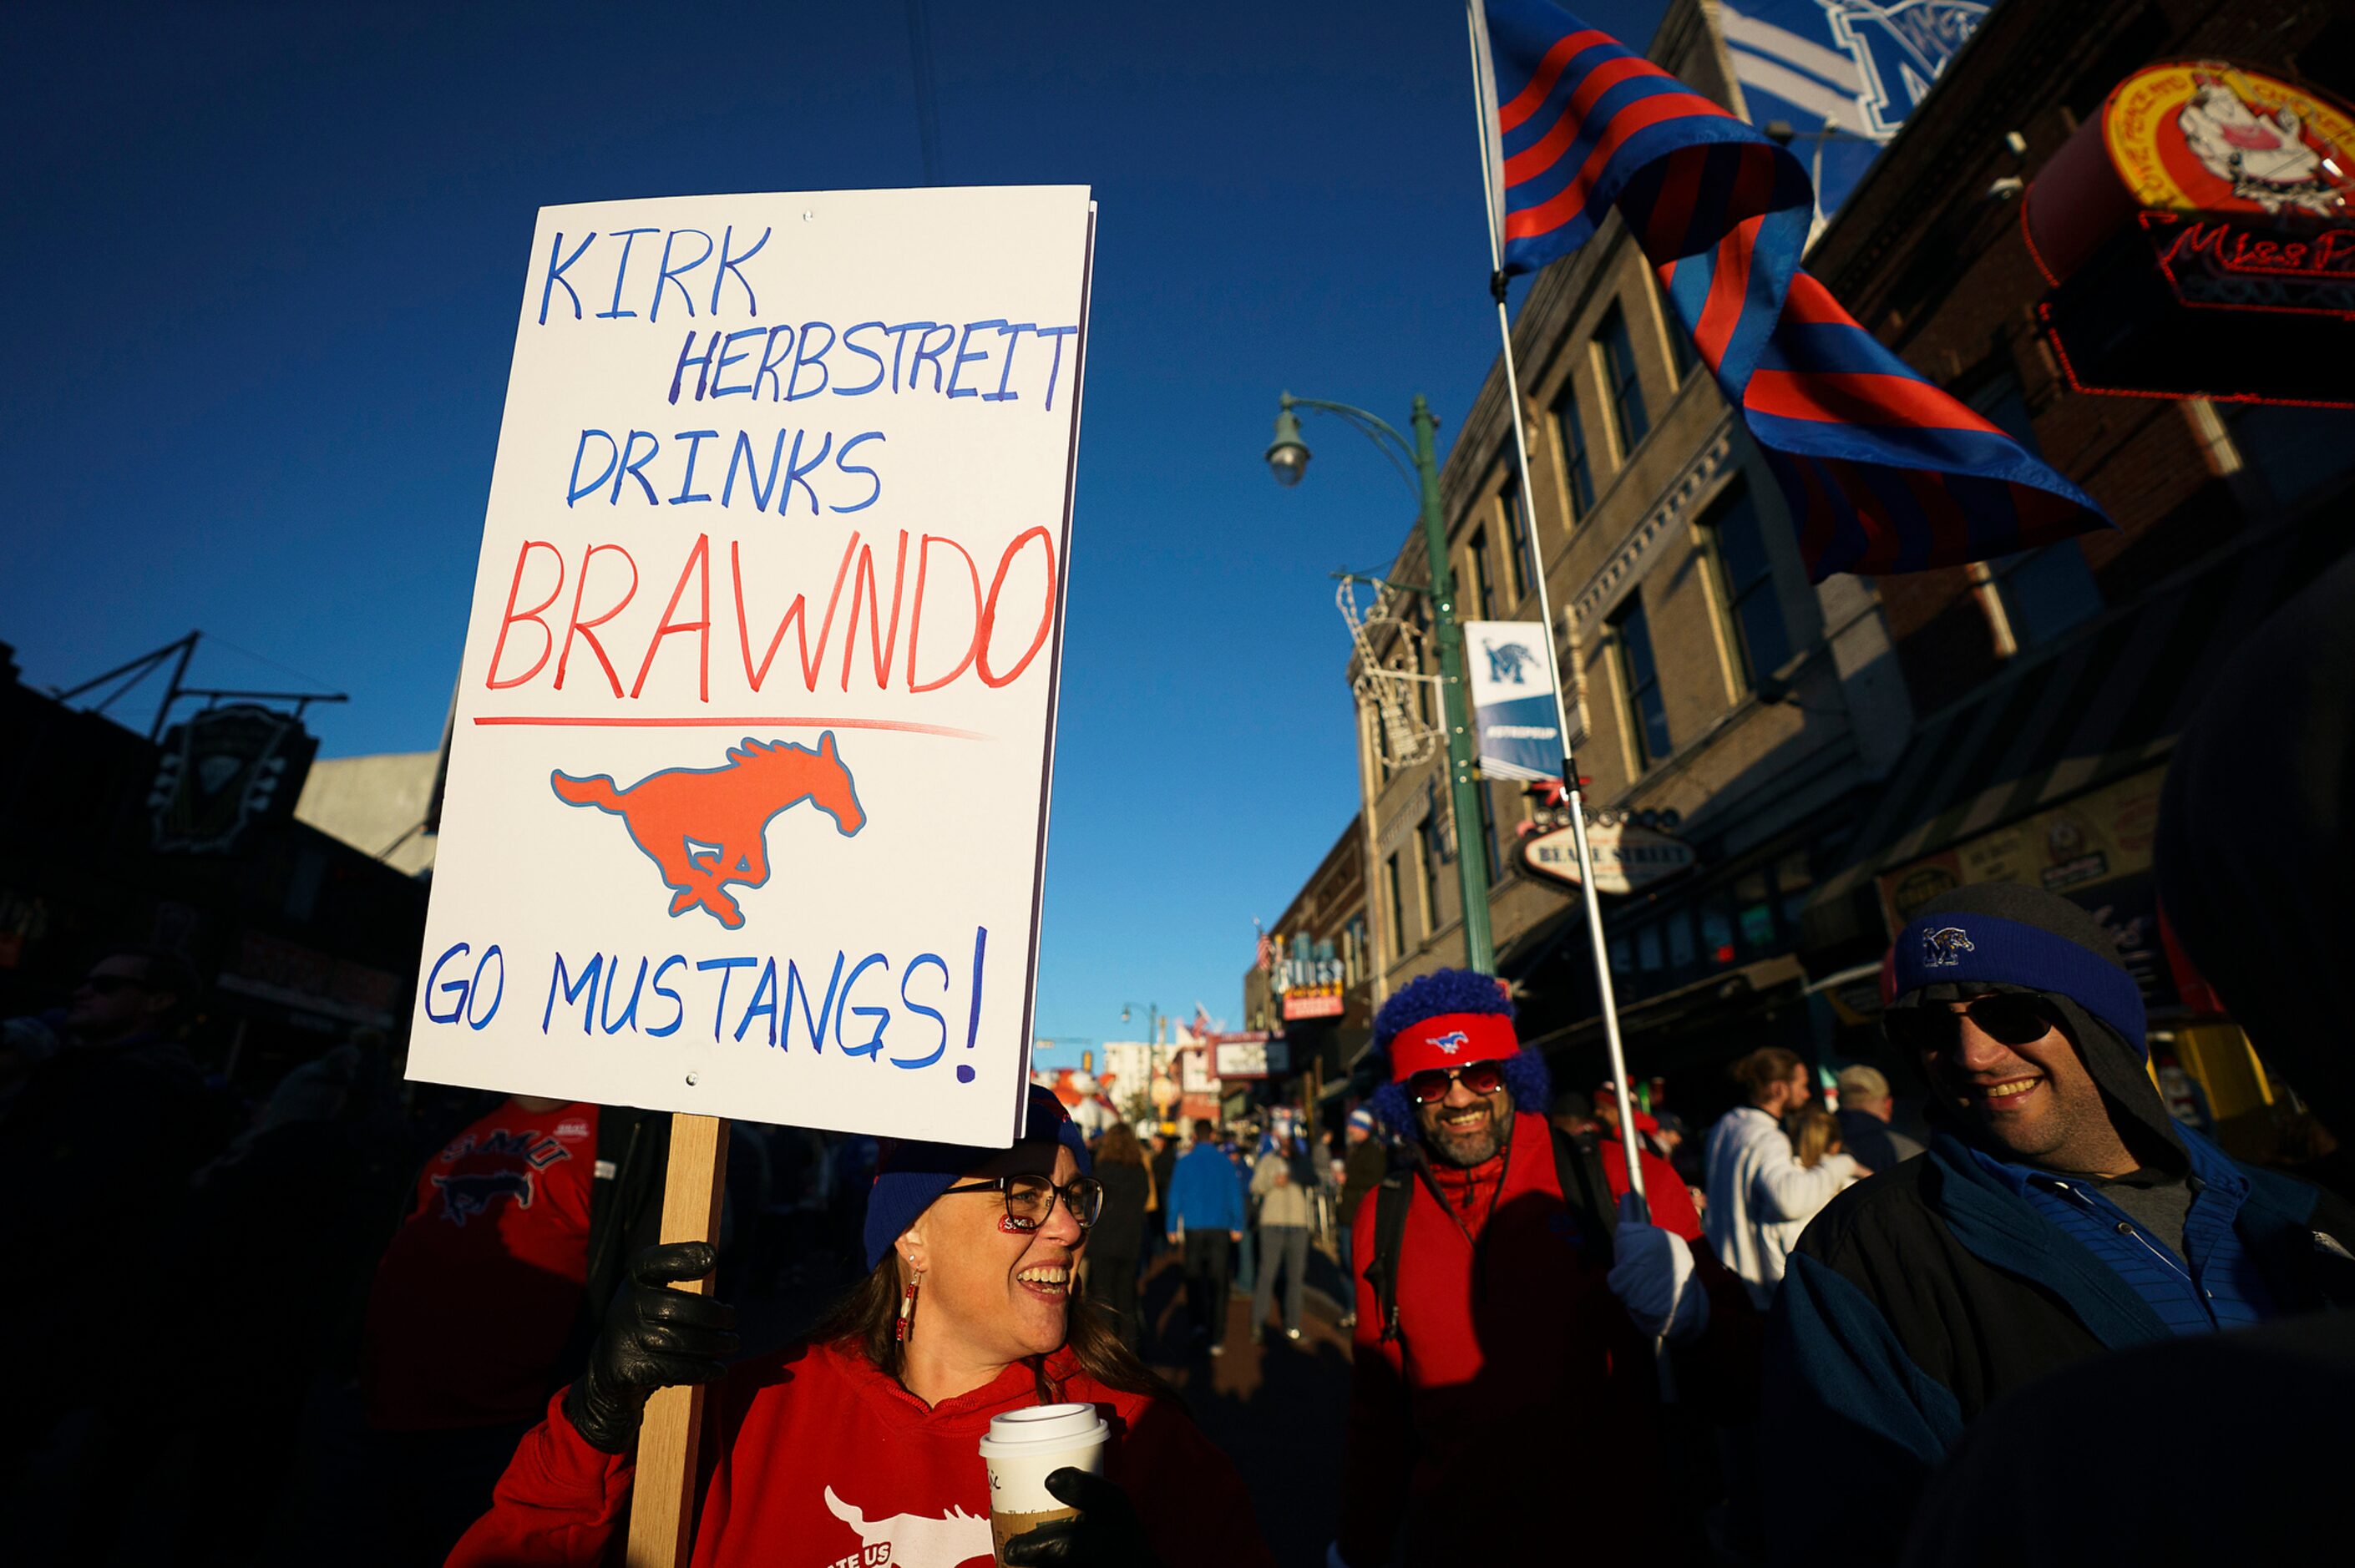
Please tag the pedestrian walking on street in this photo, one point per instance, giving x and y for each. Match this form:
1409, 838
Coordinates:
1866, 1106
1282, 1240
1369, 1162
862, 1445
1754, 1180
1206, 1211
2061, 1212
1815, 1136
1160, 1161
1504, 1402
97, 1150
1117, 1237
1240, 1150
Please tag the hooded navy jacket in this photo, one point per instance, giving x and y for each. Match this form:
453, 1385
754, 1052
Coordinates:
1919, 1295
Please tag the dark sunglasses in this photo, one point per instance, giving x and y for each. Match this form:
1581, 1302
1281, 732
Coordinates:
1432, 1083
2004, 1019
110, 985
1030, 1199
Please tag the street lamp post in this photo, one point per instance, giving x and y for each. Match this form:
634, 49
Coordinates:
1287, 460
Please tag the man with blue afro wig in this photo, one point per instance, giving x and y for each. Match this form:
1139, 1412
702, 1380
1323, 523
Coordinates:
1506, 1318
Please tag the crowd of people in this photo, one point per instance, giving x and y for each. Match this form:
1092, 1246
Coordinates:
414, 1327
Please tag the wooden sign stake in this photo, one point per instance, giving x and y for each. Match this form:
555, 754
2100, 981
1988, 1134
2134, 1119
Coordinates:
662, 1494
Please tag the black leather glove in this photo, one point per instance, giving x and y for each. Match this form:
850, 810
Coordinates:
1107, 1534
653, 1338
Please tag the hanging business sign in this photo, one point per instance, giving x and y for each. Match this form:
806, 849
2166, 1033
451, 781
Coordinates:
1308, 978
1252, 1054
748, 785
2200, 236
225, 772
1514, 721
1627, 857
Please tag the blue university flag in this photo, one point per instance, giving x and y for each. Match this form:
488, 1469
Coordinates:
1882, 471
1513, 712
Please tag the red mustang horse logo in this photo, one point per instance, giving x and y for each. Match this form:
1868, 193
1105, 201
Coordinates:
704, 827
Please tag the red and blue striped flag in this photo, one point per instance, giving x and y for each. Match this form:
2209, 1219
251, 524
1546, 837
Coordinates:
1884, 472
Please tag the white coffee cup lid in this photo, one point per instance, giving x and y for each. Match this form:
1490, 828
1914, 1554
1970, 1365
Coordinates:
1043, 1426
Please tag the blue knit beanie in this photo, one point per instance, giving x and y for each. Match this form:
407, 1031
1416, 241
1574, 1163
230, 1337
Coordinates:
910, 1175
1996, 933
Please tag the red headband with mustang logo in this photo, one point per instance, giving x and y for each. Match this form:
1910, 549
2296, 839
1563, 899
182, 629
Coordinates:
1451, 1040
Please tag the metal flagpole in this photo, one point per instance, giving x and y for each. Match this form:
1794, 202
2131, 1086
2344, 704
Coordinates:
1482, 80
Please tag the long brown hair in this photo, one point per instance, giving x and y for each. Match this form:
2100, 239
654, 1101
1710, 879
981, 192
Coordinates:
1118, 1146
864, 1316
1814, 1134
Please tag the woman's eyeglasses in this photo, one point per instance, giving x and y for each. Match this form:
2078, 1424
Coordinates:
1030, 1199
1431, 1083
2005, 1019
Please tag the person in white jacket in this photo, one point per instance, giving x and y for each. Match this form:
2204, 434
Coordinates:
1755, 1179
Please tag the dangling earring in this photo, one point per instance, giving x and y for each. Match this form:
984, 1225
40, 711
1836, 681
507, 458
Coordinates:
907, 1307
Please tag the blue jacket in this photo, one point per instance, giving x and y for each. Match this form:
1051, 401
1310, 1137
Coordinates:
1919, 1295
1203, 1193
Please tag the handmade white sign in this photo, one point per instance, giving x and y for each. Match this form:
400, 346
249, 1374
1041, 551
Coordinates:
748, 781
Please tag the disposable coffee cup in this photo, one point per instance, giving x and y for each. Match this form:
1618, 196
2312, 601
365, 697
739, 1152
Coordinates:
1023, 1448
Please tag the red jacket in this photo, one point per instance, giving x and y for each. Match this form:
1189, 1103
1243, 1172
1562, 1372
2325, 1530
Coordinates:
818, 1460
1665, 1192
1517, 1412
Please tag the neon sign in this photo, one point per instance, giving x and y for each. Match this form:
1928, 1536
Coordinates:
2231, 263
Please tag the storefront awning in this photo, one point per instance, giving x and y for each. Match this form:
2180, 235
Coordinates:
1732, 988
2101, 704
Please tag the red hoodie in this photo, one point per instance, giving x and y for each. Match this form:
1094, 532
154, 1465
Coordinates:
1517, 1412
818, 1460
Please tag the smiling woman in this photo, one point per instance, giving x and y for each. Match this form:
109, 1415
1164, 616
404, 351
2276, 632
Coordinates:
864, 1443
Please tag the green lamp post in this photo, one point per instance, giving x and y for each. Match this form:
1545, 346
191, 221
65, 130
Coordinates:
1287, 460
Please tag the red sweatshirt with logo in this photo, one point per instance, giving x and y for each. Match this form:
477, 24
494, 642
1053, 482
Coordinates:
818, 1460
1519, 1410
480, 1287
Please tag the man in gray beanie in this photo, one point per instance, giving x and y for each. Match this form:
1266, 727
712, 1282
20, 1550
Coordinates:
2059, 1213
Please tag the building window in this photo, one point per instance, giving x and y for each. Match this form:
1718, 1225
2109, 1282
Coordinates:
1427, 862
1520, 564
1682, 357
1680, 943
1614, 357
2045, 592
1745, 580
1716, 931
1484, 591
2037, 594
1395, 895
2300, 453
1578, 473
1639, 686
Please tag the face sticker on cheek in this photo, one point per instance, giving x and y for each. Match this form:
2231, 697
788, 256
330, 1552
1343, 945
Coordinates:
1012, 1227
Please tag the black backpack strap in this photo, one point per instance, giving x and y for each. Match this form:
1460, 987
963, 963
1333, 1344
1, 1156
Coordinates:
1390, 1201
1578, 1167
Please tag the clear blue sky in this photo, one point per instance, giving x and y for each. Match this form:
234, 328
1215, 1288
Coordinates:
260, 294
